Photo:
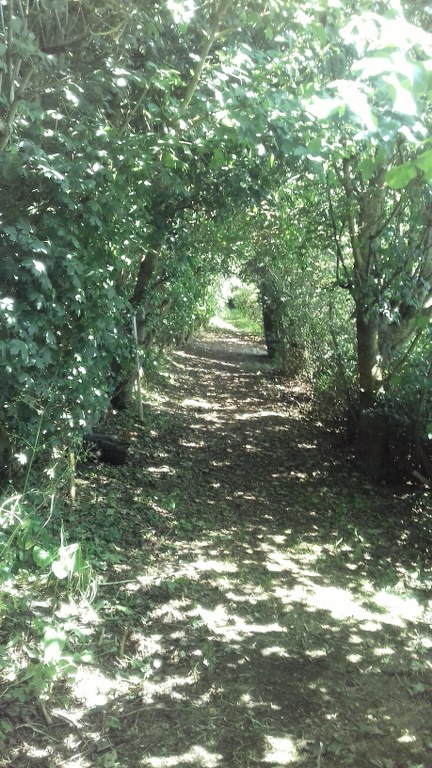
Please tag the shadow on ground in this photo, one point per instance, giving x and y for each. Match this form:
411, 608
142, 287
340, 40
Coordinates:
263, 606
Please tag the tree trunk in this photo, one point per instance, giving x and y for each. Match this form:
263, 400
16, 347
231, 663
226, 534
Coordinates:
122, 397
365, 214
367, 357
271, 327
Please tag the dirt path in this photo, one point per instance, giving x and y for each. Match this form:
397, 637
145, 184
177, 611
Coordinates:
263, 606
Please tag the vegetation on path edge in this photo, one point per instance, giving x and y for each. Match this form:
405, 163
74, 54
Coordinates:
253, 600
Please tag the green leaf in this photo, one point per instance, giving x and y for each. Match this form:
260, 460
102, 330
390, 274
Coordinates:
18, 347
42, 557
86, 657
60, 569
400, 177
422, 322
112, 722
109, 760
67, 563
367, 168
417, 689
357, 101
53, 644
424, 163
218, 159
323, 108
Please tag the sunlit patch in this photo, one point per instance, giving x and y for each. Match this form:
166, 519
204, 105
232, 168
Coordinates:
230, 626
250, 599
197, 756
274, 650
383, 651
217, 322
260, 415
191, 444
244, 495
338, 602
6, 304
169, 686
163, 470
246, 698
220, 566
212, 418
38, 754
355, 658
316, 653
371, 626
191, 403
147, 644
171, 611
85, 611
280, 750
306, 445
426, 642
399, 607
407, 738
93, 688
277, 561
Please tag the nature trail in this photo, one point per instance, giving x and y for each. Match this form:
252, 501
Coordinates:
280, 623
259, 604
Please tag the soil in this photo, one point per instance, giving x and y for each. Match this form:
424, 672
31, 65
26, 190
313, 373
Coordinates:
259, 604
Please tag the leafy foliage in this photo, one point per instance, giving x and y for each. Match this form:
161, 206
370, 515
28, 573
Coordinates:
146, 150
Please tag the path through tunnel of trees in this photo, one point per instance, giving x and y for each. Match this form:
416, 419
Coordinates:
148, 152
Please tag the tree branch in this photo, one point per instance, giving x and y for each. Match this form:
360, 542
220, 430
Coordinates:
64, 45
10, 118
211, 37
339, 254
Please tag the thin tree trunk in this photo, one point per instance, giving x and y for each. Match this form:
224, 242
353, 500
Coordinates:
367, 357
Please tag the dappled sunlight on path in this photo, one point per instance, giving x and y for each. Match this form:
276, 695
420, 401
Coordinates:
266, 608
287, 630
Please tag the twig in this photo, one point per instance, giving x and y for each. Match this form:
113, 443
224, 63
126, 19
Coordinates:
320, 752
27, 724
114, 583
45, 713
422, 478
